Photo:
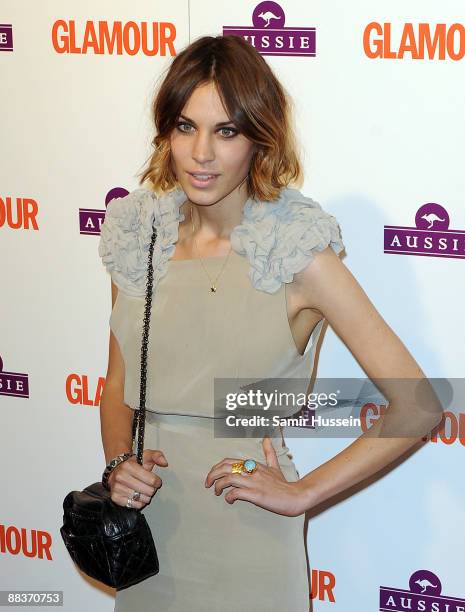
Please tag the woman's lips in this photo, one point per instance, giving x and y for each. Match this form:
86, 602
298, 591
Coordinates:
199, 181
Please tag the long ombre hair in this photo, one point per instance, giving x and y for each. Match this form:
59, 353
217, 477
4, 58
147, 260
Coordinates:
254, 100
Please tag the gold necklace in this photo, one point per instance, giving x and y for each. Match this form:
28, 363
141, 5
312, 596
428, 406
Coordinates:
212, 283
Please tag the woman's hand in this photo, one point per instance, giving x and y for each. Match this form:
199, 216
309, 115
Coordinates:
266, 487
129, 476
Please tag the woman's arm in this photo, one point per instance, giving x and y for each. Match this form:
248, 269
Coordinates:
115, 416
116, 419
329, 287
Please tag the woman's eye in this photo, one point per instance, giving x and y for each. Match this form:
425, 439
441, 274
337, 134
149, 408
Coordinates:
180, 124
230, 131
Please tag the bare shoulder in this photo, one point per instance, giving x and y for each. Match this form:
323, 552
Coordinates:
328, 286
320, 280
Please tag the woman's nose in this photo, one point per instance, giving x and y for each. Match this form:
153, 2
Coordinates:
202, 148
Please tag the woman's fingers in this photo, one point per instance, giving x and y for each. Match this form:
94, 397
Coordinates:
127, 480
233, 480
128, 477
120, 492
122, 499
223, 468
152, 457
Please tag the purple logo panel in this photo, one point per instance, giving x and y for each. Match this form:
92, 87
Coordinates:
91, 219
430, 237
13, 383
269, 36
6, 37
424, 596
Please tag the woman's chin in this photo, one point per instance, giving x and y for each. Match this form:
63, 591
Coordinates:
201, 195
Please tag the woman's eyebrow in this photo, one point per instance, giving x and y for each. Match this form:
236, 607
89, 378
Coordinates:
222, 123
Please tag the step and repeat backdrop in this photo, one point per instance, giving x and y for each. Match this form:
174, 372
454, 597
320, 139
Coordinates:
379, 97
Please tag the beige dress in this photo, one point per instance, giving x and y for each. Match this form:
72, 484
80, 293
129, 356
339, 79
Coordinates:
213, 555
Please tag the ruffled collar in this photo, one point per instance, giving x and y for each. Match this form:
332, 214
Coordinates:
278, 238
167, 216
254, 237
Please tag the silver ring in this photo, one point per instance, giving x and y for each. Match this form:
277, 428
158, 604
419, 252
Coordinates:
135, 495
129, 503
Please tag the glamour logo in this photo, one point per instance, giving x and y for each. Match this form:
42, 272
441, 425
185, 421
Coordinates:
451, 429
424, 595
91, 219
6, 37
77, 390
20, 214
323, 585
431, 236
117, 38
28, 542
13, 383
418, 42
269, 36
370, 413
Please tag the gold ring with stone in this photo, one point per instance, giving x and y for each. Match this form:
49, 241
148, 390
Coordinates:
248, 466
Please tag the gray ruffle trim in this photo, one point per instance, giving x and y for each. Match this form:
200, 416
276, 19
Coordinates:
278, 238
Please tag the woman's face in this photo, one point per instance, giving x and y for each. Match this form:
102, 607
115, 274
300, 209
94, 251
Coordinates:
201, 145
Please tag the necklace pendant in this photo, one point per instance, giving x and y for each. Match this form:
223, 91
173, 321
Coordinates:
213, 289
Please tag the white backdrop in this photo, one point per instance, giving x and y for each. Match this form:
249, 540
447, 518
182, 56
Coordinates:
382, 136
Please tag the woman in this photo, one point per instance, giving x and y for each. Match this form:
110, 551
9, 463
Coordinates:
246, 269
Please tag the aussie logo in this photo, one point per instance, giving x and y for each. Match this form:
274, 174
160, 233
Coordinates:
269, 36
91, 219
431, 235
6, 37
423, 595
13, 383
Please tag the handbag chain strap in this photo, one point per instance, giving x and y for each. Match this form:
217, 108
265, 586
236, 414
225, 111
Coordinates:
138, 422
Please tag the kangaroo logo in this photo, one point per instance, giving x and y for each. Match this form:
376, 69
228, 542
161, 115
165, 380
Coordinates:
432, 214
425, 584
269, 12
425, 581
431, 218
268, 16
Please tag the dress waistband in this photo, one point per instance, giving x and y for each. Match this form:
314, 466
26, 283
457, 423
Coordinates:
168, 417
200, 422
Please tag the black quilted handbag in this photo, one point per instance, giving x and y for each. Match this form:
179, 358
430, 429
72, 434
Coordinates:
106, 541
